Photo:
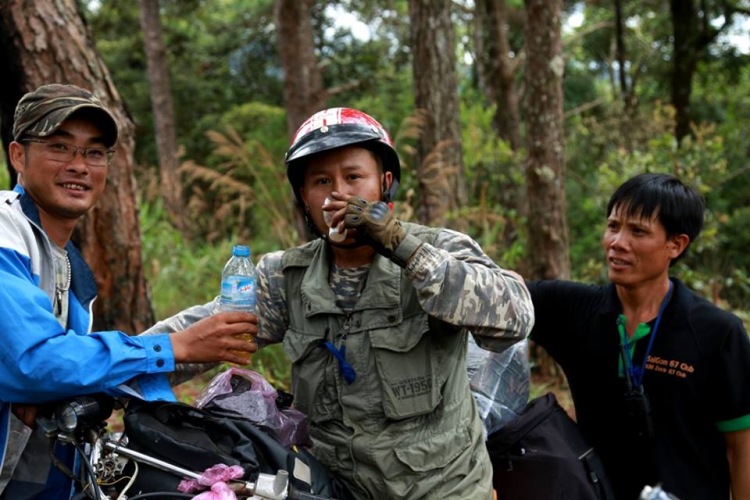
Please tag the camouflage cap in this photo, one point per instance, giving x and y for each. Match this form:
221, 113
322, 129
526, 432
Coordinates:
41, 112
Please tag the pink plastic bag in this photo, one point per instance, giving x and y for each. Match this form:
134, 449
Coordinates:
217, 473
240, 393
219, 491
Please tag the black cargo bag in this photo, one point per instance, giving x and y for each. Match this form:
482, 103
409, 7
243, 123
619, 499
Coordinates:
196, 439
543, 455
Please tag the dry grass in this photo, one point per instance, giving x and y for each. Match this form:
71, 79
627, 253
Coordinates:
242, 193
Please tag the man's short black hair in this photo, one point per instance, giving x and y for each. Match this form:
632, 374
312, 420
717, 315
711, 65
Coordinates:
678, 207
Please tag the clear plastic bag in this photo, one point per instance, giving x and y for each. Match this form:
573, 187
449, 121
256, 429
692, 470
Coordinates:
240, 393
499, 383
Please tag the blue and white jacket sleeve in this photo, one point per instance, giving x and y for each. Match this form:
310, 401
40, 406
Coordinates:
39, 360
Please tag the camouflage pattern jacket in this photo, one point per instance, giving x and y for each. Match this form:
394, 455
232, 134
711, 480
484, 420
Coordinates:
407, 426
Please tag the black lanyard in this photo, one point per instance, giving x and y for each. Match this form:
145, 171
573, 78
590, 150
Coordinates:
636, 373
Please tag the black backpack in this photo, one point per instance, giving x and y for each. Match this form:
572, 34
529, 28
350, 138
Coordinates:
543, 455
196, 439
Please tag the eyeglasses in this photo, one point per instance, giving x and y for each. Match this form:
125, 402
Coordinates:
62, 152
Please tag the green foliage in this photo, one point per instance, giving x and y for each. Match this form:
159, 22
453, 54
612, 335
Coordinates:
495, 180
605, 153
248, 144
182, 274
389, 103
4, 175
220, 54
260, 123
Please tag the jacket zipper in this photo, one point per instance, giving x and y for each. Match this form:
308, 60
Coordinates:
345, 330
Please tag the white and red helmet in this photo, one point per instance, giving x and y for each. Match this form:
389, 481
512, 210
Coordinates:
335, 128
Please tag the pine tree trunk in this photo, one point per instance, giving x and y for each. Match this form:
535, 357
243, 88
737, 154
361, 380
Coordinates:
501, 74
545, 164
481, 64
620, 40
45, 42
545, 143
685, 30
440, 167
303, 83
161, 104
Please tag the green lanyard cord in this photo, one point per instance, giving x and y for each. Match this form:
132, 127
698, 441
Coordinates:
636, 373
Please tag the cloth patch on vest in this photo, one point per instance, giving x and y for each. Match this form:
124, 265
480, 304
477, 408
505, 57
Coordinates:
412, 387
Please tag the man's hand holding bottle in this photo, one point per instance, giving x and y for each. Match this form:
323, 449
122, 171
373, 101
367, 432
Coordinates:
221, 337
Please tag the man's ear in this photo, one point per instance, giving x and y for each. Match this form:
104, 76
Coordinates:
387, 180
677, 244
17, 154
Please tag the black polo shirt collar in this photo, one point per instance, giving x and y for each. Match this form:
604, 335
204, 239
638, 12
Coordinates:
675, 314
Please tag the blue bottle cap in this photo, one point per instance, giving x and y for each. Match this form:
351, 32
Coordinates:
241, 251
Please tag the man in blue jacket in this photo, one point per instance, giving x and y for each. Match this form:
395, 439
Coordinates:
64, 140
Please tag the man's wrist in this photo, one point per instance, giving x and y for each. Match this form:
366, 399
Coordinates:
406, 249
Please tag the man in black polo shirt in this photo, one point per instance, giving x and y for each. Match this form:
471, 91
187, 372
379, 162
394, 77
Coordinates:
683, 419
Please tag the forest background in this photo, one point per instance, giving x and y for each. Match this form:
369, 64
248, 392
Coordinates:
515, 121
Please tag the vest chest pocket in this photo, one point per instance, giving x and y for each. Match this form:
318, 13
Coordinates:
407, 368
308, 367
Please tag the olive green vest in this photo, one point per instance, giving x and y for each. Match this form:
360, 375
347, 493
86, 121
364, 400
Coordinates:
407, 427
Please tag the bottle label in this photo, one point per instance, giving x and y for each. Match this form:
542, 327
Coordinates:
238, 293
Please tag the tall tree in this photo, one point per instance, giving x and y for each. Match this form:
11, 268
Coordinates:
44, 42
439, 153
687, 40
545, 141
545, 145
304, 93
495, 64
163, 110
694, 29
620, 44
303, 83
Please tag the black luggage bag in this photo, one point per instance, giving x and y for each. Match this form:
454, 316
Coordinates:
196, 439
542, 455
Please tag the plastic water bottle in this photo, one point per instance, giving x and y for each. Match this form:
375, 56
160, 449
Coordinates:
238, 282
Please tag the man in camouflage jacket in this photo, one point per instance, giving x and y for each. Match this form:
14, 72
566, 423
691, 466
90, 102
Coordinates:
376, 318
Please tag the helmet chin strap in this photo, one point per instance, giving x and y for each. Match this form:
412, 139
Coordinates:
389, 193
310, 224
